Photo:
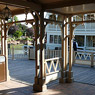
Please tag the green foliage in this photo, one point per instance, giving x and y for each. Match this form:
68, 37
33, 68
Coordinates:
15, 18
19, 30
18, 34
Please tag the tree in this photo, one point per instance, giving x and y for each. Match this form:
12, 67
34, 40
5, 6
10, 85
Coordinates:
12, 30
18, 34
30, 32
19, 29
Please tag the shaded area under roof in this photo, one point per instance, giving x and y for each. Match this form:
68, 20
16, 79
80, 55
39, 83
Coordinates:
59, 6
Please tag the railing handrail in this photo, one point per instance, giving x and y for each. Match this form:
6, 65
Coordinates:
85, 51
51, 59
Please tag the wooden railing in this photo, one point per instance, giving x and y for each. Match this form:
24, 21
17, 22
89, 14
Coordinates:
17, 54
84, 57
52, 68
79, 57
52, 53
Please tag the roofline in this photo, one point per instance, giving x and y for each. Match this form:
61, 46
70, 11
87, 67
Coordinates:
22, 4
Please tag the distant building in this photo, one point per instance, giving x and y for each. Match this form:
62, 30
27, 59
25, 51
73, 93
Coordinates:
84, 35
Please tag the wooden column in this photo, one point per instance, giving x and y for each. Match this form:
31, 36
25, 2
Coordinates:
69, 72
2, 38
63, 72
4, 65
6, 51
41, 81
36, 50
66, 44
42, 53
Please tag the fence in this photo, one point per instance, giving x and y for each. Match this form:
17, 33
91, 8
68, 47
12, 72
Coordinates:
84, 57
52, 53
14, 53
79, 57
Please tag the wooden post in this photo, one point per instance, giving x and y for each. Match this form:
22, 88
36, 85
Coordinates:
6, 52
92, 58
36, 50
37, 59
66, 44
42, 48
12, 53
41, 81
70, 73
1, 39
63, 72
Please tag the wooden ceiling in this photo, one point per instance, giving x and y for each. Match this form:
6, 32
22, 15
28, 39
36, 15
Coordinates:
59, 6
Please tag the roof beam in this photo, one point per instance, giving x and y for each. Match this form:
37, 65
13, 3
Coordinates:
80, 22
66, 3
49, 21
17, 12
30, 20
22, 4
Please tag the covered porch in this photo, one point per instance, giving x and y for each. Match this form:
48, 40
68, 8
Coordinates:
43, 67
21, 83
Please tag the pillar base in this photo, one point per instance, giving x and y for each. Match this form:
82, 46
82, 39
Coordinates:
39, 85
63, 77
62, 80
36, 80
39, 88
70, 78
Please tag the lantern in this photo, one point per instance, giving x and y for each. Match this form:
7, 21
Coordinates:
6, 13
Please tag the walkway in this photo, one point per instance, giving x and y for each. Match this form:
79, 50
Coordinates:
24, 71
84, 74
15, 88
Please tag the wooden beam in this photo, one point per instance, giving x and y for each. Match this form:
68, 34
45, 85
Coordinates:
49, 20
69, 14
21, 4
30, 20
55, 12
66, 3
17, 12
80, 22
82, 13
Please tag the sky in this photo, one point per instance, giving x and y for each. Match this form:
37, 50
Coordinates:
23, 16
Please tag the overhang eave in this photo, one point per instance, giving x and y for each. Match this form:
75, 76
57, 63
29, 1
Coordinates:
22, 4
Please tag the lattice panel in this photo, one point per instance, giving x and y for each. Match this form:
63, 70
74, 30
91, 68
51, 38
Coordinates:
52, 65
83, 56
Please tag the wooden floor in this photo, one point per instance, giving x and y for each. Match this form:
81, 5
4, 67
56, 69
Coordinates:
84, 74
24, 71
16, 88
